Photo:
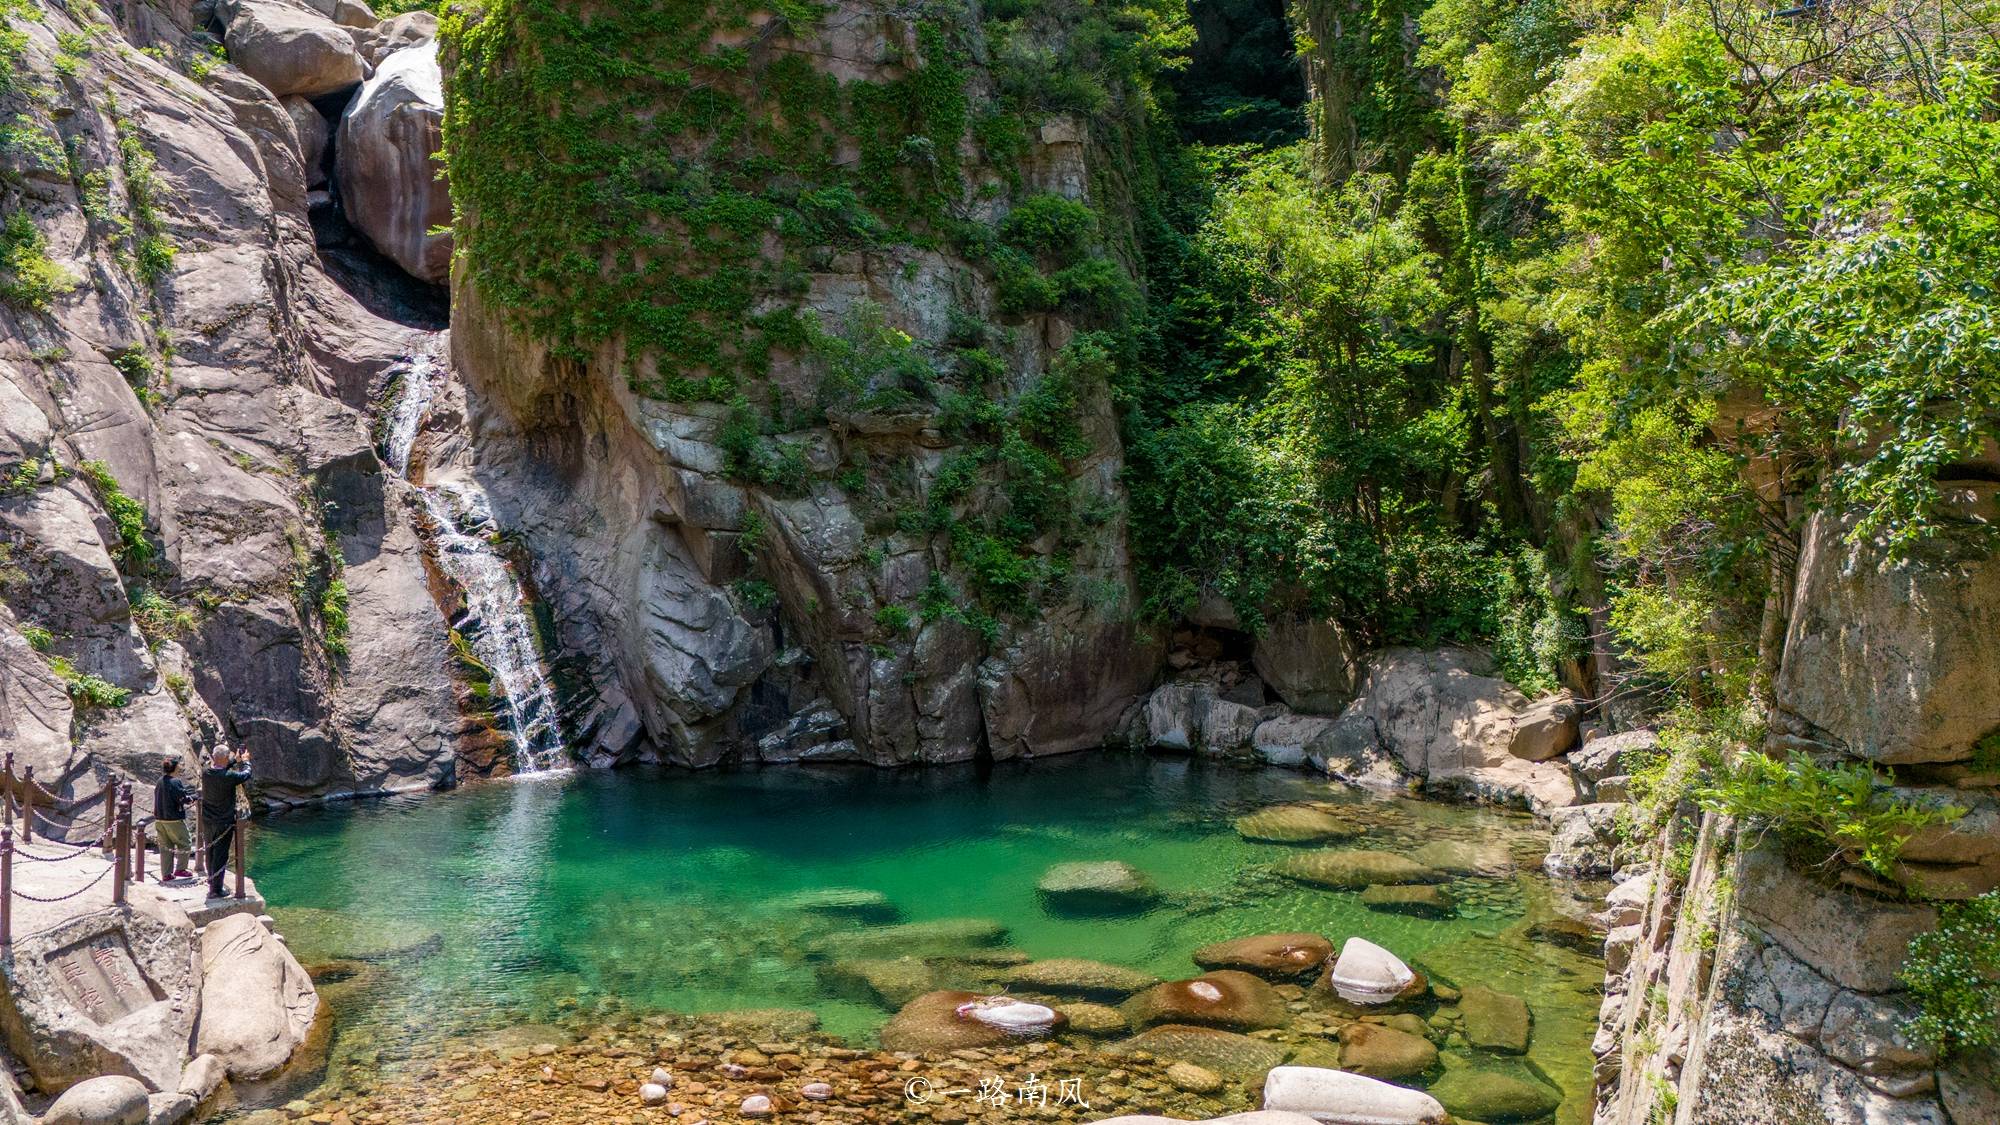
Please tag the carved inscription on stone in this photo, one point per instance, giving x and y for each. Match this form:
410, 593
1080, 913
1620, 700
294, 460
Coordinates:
100, 977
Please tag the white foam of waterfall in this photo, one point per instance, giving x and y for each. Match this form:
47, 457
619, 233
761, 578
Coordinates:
502, 634
422, 380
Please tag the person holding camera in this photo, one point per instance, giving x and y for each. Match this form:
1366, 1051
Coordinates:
226, 773
171, 796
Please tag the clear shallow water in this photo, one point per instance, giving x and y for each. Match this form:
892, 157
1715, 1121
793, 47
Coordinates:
666, 891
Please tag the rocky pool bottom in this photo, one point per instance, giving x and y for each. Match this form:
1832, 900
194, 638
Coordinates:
534, 950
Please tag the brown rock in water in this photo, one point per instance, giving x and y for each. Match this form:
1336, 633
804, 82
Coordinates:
1295, 824
1384, 1052
1225, 998
931, 1023
1224, 1051
1096, 1020
1494, 1021
1075, 976
1353, 870
1423, 900
1284, 957
387, 163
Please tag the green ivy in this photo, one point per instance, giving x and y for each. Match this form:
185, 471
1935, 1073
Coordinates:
128, 516
1953, 974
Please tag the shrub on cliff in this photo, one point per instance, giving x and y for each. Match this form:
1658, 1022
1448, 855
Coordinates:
1953, 973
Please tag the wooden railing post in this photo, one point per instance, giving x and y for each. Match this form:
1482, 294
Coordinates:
121, 816
200, 842
239, 829
28, 804
7, 886
110, 813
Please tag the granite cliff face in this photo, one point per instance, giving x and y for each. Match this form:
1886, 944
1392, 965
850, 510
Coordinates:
1756, 993
197, 541
816, 540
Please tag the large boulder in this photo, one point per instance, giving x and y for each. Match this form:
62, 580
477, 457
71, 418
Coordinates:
1193, 716
1450, 721
1583, 840
1335, 1097
1226, 998
1287, 739
1309, 661
257, 1005
289, 47
380, 40
1546, 729
112, 1099
1422, 900
1890, 661
313, 132
111, 991
1366, 973
1106, 886
387, 163
1286, 956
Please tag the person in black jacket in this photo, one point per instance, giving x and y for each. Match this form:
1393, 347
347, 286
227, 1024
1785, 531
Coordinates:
226, 773
170, 801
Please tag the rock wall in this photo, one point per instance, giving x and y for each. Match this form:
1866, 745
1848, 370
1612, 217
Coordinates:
1749, 992
187, 482
714, 603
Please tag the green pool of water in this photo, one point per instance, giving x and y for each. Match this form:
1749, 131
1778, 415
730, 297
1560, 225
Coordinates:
668, 891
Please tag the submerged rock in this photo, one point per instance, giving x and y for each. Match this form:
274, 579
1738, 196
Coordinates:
1384, 1052
1366, 973
1225, 998
1423, 900
1352, 870
335, 935
1224, 1051
1097, 1020
943, 937
1287, 956
933, 1022
1107, 886
1193, 1079
1295, 824
1494, 1021
1486, 1096
1335, 1097
844, 902
890, 983
1075, 976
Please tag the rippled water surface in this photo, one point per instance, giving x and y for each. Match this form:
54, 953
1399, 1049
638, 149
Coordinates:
671, 891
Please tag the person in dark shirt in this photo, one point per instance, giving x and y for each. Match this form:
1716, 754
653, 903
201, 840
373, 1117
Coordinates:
170, 801
226, 773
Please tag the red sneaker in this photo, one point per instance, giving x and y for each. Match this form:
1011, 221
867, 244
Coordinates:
183, 873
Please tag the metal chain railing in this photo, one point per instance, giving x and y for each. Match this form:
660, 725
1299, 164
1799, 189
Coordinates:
123, 842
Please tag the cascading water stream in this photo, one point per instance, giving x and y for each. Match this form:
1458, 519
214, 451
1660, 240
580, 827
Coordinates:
504, 639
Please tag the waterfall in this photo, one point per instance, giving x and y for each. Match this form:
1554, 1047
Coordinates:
502, 634
422, 380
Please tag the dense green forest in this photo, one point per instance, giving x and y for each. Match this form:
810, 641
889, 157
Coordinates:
1540, 324
1549, 322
